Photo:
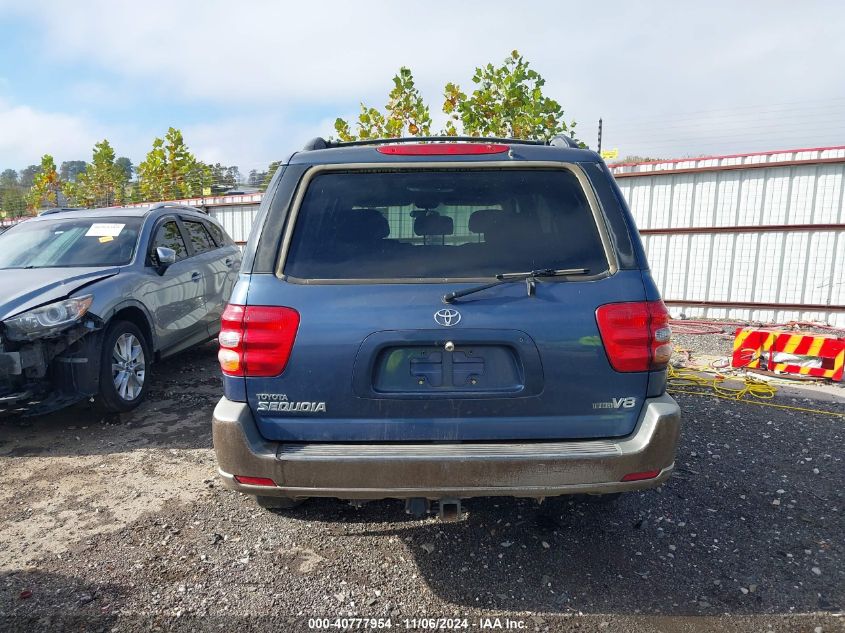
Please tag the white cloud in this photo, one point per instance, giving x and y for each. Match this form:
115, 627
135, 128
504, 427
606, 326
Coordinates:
252, 142
249, 142
28, 134
93, 94
267, 50
263, 62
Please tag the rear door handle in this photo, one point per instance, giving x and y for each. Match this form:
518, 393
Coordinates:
196, 276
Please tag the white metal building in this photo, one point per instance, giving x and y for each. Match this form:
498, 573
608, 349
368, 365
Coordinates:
754, 237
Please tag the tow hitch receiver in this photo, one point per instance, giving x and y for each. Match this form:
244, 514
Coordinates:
447, 510
450, 510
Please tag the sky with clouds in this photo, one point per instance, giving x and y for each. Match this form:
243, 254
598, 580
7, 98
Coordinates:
250, 81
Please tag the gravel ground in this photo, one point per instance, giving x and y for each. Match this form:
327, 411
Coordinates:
705, 344
120, 525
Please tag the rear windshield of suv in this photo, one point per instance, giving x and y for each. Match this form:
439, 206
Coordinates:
438, 224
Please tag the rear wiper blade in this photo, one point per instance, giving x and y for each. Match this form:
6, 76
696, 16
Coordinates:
529, 278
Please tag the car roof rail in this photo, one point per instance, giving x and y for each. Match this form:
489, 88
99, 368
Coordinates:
173, 205
434, 139
557, 141
53, 210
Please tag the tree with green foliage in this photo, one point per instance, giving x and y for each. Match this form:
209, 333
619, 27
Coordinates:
199, 180
46, 186
256, 178
508, 101
406, 114
233, 173
268, 175
9, 178
71, 169
224, 178
126, 166
102, 184
219, 181
27, 176
171, 171
12, 202
153, 181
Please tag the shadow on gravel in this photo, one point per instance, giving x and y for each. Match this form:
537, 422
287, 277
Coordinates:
39, 601
176, 414
335, 512
595, 558
751, 523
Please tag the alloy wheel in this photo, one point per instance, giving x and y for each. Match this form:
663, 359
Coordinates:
128, 366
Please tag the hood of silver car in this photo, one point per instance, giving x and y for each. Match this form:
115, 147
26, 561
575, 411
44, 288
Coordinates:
22, 289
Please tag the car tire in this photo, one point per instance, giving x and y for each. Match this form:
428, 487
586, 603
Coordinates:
124, 367
277, 503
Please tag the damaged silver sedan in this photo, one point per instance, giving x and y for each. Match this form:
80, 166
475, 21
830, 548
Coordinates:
89, 299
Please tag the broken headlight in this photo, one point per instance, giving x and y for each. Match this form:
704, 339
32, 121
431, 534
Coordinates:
48, 319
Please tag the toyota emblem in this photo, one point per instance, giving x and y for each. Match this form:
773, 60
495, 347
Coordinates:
447, 317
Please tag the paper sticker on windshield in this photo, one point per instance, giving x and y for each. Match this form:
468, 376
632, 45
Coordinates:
102, 229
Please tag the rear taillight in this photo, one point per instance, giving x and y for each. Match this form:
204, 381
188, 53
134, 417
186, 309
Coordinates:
442, 149
635, 335
254, 481
256, 340
646, 474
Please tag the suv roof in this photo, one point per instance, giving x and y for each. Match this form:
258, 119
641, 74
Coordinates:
320, 151
558, 140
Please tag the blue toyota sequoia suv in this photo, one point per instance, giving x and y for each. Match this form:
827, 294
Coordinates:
443, 318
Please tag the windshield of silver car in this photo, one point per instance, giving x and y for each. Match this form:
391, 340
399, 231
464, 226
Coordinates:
70, 242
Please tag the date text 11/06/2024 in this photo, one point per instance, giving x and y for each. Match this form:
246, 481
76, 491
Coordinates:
430, 624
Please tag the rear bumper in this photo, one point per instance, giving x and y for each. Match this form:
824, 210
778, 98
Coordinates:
376, 471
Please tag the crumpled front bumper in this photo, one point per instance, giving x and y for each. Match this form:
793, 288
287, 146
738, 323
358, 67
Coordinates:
15, 389
437, 471
43, 375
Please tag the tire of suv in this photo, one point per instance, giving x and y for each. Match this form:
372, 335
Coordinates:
124, 367
277, 503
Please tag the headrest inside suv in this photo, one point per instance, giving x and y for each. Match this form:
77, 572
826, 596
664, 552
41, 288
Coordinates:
360, 225
434, 224
485, 220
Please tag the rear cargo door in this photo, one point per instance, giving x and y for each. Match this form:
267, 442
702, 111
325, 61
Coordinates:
379, 355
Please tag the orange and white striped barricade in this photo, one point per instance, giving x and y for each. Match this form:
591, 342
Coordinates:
813, 355
808, 355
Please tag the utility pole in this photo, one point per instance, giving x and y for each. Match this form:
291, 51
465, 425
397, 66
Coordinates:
600, 125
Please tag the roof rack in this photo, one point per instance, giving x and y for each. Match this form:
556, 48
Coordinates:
53, 210
172, 205
557, 141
